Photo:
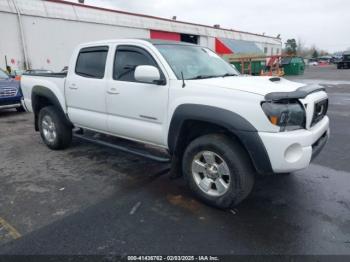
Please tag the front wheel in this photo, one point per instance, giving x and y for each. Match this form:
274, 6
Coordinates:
55, 133
218, 170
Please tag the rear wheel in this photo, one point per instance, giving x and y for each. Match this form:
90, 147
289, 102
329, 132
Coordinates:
218, 170
53, 130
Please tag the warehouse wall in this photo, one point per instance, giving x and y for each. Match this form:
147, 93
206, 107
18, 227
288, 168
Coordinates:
270, 48
10, 44
50, 42
53, 40
207, 41
53, 29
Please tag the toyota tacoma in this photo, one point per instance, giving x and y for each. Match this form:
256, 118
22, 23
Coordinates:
220, 129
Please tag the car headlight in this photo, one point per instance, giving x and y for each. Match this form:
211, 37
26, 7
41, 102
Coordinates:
288, 115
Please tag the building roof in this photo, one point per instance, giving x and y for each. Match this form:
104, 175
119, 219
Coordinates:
154, 17
241, 47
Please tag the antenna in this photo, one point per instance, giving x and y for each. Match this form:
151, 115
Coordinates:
183, 80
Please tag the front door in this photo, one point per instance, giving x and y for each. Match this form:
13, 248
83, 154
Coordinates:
136, 110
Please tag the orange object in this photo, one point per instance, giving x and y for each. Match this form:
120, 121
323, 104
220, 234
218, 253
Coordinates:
18, 78
274, 119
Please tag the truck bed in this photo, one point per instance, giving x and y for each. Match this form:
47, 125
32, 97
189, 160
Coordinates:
59, 75
55, 81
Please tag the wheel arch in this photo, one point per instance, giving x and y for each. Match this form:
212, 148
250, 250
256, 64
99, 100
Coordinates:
42, 97
214, 119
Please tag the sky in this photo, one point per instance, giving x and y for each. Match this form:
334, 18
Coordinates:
324, 23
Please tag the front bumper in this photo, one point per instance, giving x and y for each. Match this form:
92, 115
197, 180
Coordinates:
11, 102
292, 151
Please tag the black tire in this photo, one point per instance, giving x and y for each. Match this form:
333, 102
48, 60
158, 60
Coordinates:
238, 162
20, 109
63, 131
284, 174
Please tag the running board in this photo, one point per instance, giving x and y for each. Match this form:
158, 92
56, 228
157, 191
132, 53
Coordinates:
144, 154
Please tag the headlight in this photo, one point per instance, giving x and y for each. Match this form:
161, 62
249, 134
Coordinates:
289, 115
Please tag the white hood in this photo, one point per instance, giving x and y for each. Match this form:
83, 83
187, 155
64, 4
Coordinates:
260, 85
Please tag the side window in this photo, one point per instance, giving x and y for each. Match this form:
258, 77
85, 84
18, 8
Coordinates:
91, 62
127, 59
265, 50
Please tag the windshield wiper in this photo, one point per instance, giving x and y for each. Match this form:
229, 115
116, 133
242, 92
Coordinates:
210, 76
228, 74
201, 77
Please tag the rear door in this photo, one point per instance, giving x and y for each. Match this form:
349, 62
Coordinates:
86, 89
136, 110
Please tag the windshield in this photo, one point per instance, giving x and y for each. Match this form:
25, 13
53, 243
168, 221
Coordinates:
195, 62
3, 75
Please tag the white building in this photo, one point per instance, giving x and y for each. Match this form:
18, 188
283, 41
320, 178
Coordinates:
43, 34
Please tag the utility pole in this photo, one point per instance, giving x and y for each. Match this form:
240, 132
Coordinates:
24, 46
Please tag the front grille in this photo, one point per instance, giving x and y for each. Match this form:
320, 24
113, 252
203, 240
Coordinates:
320, 110
8, 92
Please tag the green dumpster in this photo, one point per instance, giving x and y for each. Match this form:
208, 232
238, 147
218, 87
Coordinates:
293, 65
257, 66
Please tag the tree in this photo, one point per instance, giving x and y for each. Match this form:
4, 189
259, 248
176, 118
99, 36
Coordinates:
315, 54
291, 46
301, 50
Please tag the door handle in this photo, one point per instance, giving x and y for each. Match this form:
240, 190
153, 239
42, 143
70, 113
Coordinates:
113, 91
73, 86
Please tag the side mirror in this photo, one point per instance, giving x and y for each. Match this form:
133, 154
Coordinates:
147, 74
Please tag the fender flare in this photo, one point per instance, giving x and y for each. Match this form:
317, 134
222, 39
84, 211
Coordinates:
234, 123
41, 91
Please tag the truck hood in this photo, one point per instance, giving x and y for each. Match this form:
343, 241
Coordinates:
260, 85
5, 83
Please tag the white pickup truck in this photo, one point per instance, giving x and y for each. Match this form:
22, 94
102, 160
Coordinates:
219, 128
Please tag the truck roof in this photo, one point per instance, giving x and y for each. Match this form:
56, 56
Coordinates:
136, 40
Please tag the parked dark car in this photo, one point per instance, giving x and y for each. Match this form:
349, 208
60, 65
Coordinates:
344, 61
10, 92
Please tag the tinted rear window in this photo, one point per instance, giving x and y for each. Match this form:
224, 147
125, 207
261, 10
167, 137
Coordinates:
91, 62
